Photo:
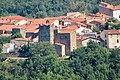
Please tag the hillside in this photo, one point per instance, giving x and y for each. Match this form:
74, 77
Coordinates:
93, 62
44, 8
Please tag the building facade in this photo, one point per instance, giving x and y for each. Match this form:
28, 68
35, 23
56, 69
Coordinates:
46, 34
110, 10
111, 38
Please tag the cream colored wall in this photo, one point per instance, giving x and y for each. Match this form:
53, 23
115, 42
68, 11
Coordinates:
112, 41
73, 44
116, 14
84, 42
56, 23
63, 51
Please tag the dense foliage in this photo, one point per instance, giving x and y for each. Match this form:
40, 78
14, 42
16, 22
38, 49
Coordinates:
86, 63
17, 35
43, 8
4, 39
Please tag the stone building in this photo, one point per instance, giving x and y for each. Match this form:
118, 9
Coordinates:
110, 10
66, 37
63, 39
111, 38
46, 34
19, 30
83, 40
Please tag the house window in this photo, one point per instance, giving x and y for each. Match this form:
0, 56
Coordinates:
117, 41
65, 36
105, 35
111, 35
105, 41
61, 37
117, 35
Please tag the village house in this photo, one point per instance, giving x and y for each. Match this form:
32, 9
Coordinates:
110, 10
111, 38
8, 47
65, 32
64, 39
83, 40
60, 49
19, 42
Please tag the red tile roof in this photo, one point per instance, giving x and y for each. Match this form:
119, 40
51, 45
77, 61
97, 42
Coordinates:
110, 6
43, 20
23, 39
15, 17
82, 24
81, 19
63, 31
72, 27
4, 21
7, 27
84, 37
11, 19
5, 34
100, 21
112, 31
6, 45
59, 44
33, 28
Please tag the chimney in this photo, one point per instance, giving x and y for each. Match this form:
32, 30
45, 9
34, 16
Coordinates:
47, 22
30, 22
2, 19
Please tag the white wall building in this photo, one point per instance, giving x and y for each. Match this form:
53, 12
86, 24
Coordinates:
83, 30
8, 47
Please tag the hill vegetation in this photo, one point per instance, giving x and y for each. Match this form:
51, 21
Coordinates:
44, 8
86, 63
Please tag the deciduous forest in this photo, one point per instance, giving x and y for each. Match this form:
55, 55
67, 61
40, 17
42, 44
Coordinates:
48, 8
85, 63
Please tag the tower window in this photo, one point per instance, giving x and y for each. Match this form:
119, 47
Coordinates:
111, 35
117, 41
117, 35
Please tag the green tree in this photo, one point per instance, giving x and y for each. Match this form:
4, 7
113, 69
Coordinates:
17, 35
4, 39
42, 49
1, 48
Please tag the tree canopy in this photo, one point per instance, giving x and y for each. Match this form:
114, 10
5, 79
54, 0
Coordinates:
43, 8
93, 62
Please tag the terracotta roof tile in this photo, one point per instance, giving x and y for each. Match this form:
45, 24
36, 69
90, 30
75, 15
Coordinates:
112, 31
110, 6
42, 20
81, 19
100, 21
84, 37
6, 45
82, 24
59, 44
62, 31
72, 27
5, 34
7, 27
15, 17
23, 39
